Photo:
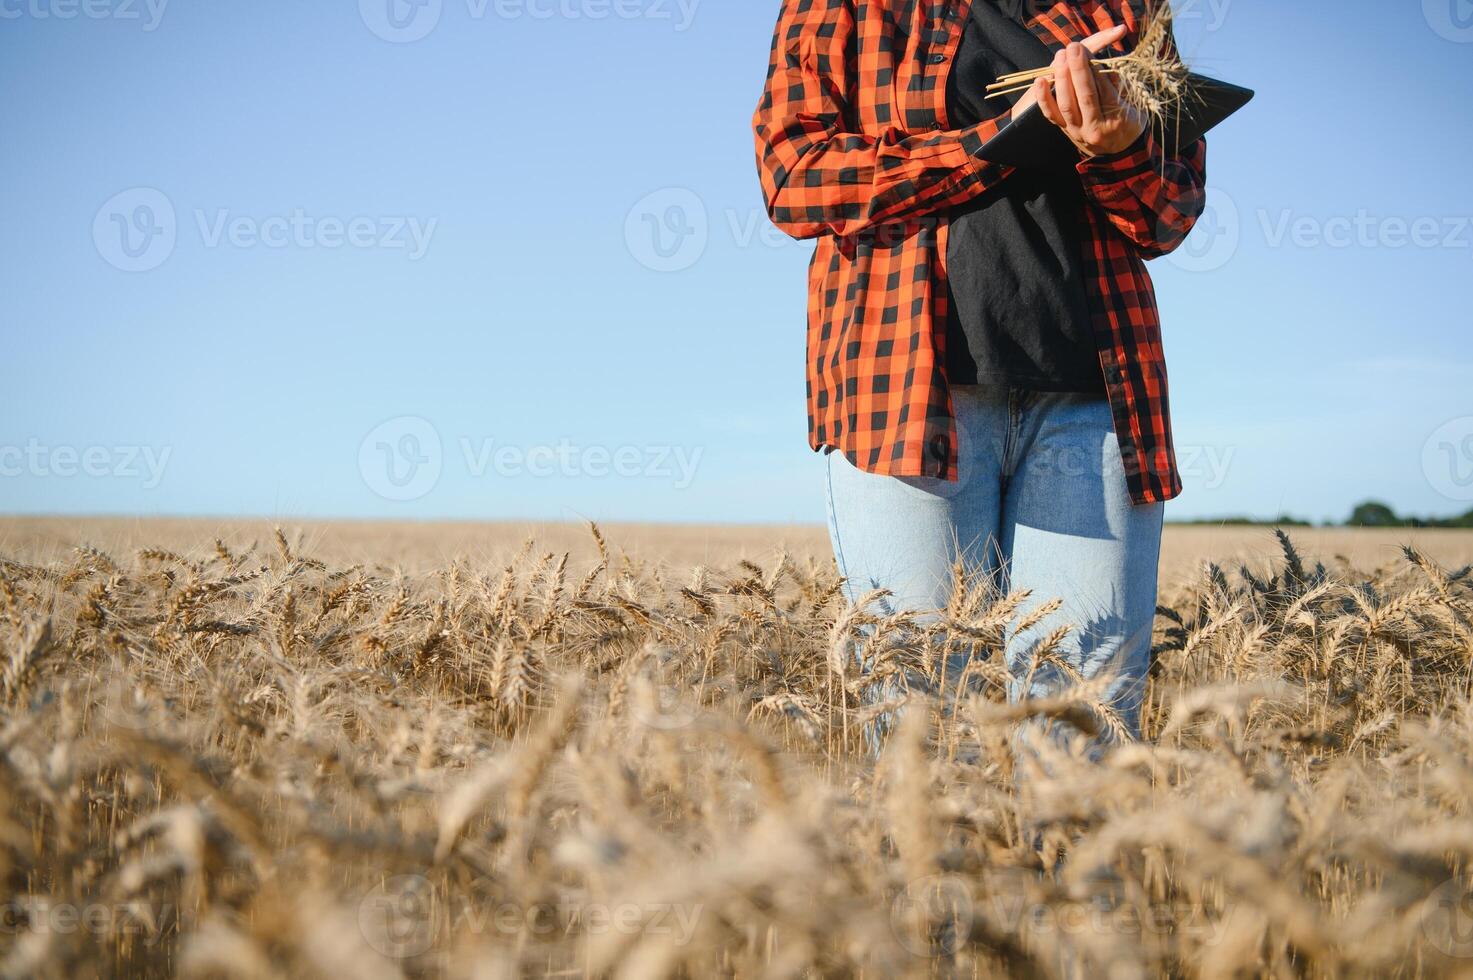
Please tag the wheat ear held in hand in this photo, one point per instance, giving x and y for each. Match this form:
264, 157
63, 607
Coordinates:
1151, 79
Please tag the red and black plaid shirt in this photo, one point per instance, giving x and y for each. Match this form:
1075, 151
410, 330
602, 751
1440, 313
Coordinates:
854, 149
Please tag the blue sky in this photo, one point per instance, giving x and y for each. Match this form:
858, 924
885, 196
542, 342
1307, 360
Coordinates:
507, 258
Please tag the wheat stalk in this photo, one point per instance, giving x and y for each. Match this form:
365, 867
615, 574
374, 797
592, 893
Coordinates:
1151, 79
1297, 804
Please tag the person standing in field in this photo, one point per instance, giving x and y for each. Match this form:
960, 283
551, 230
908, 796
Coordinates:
985, 371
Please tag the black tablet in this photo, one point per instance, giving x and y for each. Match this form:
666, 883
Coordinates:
1031, 141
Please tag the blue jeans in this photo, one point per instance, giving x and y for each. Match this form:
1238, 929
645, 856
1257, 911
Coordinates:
1040, 505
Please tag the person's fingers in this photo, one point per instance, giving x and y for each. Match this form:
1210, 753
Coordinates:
1047, 104
1028, 99
1110, 105
1099, 42
1086, 94
1064, 91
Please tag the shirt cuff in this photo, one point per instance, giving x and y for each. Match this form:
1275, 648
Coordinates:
975, 137
1129, 162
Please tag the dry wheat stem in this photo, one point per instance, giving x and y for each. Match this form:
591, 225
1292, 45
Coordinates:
308, 770
1151, 79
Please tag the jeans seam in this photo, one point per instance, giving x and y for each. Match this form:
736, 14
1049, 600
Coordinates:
1010, 440
834, 518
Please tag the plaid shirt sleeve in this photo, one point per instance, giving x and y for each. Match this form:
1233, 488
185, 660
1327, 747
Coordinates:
818, 175
1150, 198
1153, 200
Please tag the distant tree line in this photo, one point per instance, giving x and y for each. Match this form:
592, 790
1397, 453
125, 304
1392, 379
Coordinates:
1372, 513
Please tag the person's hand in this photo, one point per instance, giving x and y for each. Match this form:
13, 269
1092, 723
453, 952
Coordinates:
1086, 105
1093, 44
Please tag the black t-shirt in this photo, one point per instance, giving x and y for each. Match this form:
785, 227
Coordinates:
1015, 257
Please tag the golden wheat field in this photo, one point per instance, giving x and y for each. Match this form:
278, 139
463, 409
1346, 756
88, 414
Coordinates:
492, 751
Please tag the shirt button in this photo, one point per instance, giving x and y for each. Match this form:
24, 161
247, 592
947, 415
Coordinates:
937, 59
